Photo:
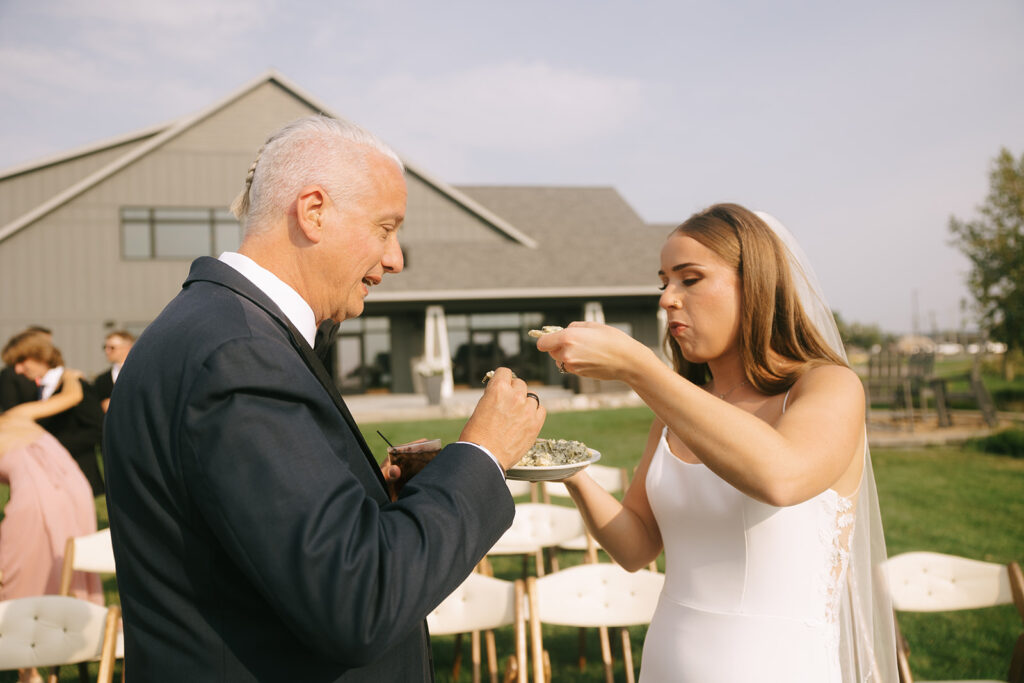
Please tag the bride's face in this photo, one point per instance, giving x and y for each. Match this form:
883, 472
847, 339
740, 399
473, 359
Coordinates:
701, 295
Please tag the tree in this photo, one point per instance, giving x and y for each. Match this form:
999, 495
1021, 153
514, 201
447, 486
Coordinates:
860, 335
994, 244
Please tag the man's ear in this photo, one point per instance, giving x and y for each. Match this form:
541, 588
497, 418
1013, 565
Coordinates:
310, 210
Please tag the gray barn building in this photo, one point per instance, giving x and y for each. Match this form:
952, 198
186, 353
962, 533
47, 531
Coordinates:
101, 238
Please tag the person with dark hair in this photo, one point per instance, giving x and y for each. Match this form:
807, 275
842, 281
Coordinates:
116, 346
79, 428
253, 531
756, 479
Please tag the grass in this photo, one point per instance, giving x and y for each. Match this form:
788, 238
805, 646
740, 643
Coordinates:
944, 499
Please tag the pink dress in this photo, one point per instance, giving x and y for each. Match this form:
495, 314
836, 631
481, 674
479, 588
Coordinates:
51, 501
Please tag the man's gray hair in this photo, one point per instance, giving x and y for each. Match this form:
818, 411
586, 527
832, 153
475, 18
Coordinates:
311, 150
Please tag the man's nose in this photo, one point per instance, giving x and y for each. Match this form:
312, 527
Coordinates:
393, 259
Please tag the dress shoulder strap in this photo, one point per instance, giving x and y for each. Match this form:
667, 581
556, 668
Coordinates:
785, 399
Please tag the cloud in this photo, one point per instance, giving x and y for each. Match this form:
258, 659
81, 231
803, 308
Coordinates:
507, 107
127, 32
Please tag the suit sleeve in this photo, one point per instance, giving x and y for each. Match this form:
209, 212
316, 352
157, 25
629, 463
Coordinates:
282, 482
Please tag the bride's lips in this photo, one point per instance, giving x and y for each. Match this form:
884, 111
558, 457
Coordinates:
676, 328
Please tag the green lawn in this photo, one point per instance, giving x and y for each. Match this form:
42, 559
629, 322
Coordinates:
940, 499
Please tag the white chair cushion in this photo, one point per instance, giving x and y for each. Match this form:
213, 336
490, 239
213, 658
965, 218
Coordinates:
480, 603
933, 582
536, 526
94, 553
598, 595
48, 630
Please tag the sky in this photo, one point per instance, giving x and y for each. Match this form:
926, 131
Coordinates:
862, 126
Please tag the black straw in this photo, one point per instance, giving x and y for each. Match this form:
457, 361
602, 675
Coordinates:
385, 439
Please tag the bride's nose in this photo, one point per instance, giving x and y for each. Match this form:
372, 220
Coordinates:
670, 298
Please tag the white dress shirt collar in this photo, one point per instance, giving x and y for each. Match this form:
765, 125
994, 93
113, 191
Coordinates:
49, 382
287, 299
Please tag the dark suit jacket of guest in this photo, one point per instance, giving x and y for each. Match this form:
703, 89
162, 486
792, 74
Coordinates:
103, 384
80, 430
15, 389
253, 535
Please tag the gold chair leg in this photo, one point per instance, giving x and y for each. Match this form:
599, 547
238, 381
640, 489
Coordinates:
627, 656
475, 648
606, 655
492, 656
457, 659
583, 648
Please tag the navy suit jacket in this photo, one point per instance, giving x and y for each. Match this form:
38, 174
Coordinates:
252, 531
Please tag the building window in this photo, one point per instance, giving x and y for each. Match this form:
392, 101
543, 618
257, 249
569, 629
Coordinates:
364, 354
177, 233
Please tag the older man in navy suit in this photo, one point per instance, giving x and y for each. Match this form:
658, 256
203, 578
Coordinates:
254, 536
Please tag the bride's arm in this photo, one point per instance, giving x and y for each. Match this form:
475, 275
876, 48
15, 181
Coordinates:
806, 451
69, 396
627, 531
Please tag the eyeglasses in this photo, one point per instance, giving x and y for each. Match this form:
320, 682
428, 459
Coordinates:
110, 347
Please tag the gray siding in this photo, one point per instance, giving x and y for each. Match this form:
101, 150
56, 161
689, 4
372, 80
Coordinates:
22, 192
65, 271
432, 217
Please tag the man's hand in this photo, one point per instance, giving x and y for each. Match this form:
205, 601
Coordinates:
506, 420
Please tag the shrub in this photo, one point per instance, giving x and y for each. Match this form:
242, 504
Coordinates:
1007, 442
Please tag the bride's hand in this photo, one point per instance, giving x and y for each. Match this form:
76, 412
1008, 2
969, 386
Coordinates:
593, 350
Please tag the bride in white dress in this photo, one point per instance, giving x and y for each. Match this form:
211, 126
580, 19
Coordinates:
756, 479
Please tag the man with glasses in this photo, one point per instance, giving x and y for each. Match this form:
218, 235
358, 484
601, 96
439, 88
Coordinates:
116, 347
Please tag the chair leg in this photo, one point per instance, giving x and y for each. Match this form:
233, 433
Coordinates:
606, 655
583, 648
475, 648
536, 644
83, 672
492, 656
457, 659
519, 628
627, 656
511, 670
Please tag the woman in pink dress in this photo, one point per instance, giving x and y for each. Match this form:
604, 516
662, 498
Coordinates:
51, 501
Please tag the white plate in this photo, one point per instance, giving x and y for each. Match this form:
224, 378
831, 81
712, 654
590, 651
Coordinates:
551, 472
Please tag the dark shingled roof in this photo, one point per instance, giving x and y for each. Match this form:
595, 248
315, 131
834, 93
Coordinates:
587, 237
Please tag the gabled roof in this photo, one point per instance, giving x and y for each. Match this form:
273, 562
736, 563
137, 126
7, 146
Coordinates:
591, 243
160, 135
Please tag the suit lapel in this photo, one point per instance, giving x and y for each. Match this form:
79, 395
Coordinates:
212, 270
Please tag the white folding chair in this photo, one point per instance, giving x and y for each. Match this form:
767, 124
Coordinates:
933, 582
484, 603
538, 526
90, 553
521, 488
592, 595
51, 630
611, 479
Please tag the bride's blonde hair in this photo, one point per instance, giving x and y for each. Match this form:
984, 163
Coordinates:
778, 342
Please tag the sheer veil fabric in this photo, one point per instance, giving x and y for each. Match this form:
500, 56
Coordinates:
867, 635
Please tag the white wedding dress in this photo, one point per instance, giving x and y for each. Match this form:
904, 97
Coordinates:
751, 590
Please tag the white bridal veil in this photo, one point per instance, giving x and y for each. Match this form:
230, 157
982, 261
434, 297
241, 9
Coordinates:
867, 638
